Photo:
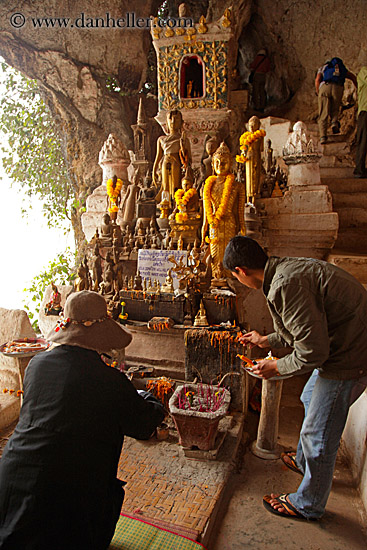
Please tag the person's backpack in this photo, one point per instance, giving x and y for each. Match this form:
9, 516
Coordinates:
334, 71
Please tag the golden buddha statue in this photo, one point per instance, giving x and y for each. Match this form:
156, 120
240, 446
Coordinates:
224, 204
173, 151
253, 164
200, 319
185, 220
186, 199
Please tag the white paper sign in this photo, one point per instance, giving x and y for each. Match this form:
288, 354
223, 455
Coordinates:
155, 264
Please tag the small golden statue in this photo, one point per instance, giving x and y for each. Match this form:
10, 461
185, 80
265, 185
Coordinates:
185, 219
202, 28
200, 319
187, 200
253, 164
167, 286
173, 152
224, 203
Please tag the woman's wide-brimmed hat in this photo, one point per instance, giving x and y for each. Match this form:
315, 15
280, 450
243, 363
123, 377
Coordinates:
86, 323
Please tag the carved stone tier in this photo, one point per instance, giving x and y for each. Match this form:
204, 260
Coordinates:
302, 222
189, 231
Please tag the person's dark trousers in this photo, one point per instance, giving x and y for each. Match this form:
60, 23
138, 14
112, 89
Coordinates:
360, 169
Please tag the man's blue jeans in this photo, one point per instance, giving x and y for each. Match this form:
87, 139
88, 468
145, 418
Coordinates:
326, 403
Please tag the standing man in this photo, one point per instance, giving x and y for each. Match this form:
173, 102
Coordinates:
58, 485
321, 312
360, 170
329, 84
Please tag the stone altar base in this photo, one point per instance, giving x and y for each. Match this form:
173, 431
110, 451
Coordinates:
164, 350
210, 356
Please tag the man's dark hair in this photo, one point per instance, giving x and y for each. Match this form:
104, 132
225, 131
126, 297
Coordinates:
244, 252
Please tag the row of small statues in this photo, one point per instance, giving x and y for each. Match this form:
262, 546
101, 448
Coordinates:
106, 274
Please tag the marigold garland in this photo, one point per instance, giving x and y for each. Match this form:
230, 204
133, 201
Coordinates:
246, 140
113, 191
182, 198
214, 219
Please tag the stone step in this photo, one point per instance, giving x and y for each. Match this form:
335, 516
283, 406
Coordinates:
336, 171
345, 185
352, 239
349, 200
334, 161
352, 216
356, 265
338, 148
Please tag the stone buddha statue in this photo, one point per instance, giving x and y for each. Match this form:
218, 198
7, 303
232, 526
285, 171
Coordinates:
173, 152
106, 231
224, 202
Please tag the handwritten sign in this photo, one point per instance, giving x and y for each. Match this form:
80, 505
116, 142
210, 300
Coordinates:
155, 264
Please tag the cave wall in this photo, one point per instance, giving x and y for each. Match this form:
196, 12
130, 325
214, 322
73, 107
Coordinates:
72, 64
299, 37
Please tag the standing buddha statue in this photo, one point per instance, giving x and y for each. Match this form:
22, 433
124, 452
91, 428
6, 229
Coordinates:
224, 204
173, 152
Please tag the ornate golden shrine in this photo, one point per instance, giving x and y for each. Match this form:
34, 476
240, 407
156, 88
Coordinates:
195, 75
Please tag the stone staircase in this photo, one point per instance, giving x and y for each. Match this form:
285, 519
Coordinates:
350, 202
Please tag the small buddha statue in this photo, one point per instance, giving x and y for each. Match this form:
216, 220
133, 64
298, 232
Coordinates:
200, 319
53, 307
150, 286
187, 200
180, 243
138, 281
126, 282
224, 202
96, 269
144, 284
106, 230
167, 286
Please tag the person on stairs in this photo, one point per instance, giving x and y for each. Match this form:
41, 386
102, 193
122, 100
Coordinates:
360, 170
329, 85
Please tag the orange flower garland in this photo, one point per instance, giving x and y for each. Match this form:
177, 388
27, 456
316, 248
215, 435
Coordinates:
246, 140
182, 198
113, 192
214, 219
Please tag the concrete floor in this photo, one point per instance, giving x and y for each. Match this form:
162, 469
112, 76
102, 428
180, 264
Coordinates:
246, 524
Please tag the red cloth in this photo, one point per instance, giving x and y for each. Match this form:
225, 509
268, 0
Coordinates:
261, 64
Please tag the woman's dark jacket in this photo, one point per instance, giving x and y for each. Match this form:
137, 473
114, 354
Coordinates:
58, 486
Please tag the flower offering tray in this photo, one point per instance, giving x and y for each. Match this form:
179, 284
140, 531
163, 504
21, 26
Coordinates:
24, 347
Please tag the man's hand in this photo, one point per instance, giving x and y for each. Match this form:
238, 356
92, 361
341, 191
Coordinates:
253, 339
266, 368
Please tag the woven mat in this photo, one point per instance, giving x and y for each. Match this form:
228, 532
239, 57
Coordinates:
135, 534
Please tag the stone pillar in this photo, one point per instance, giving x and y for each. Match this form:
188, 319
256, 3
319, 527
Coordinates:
266, 445
114, 160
